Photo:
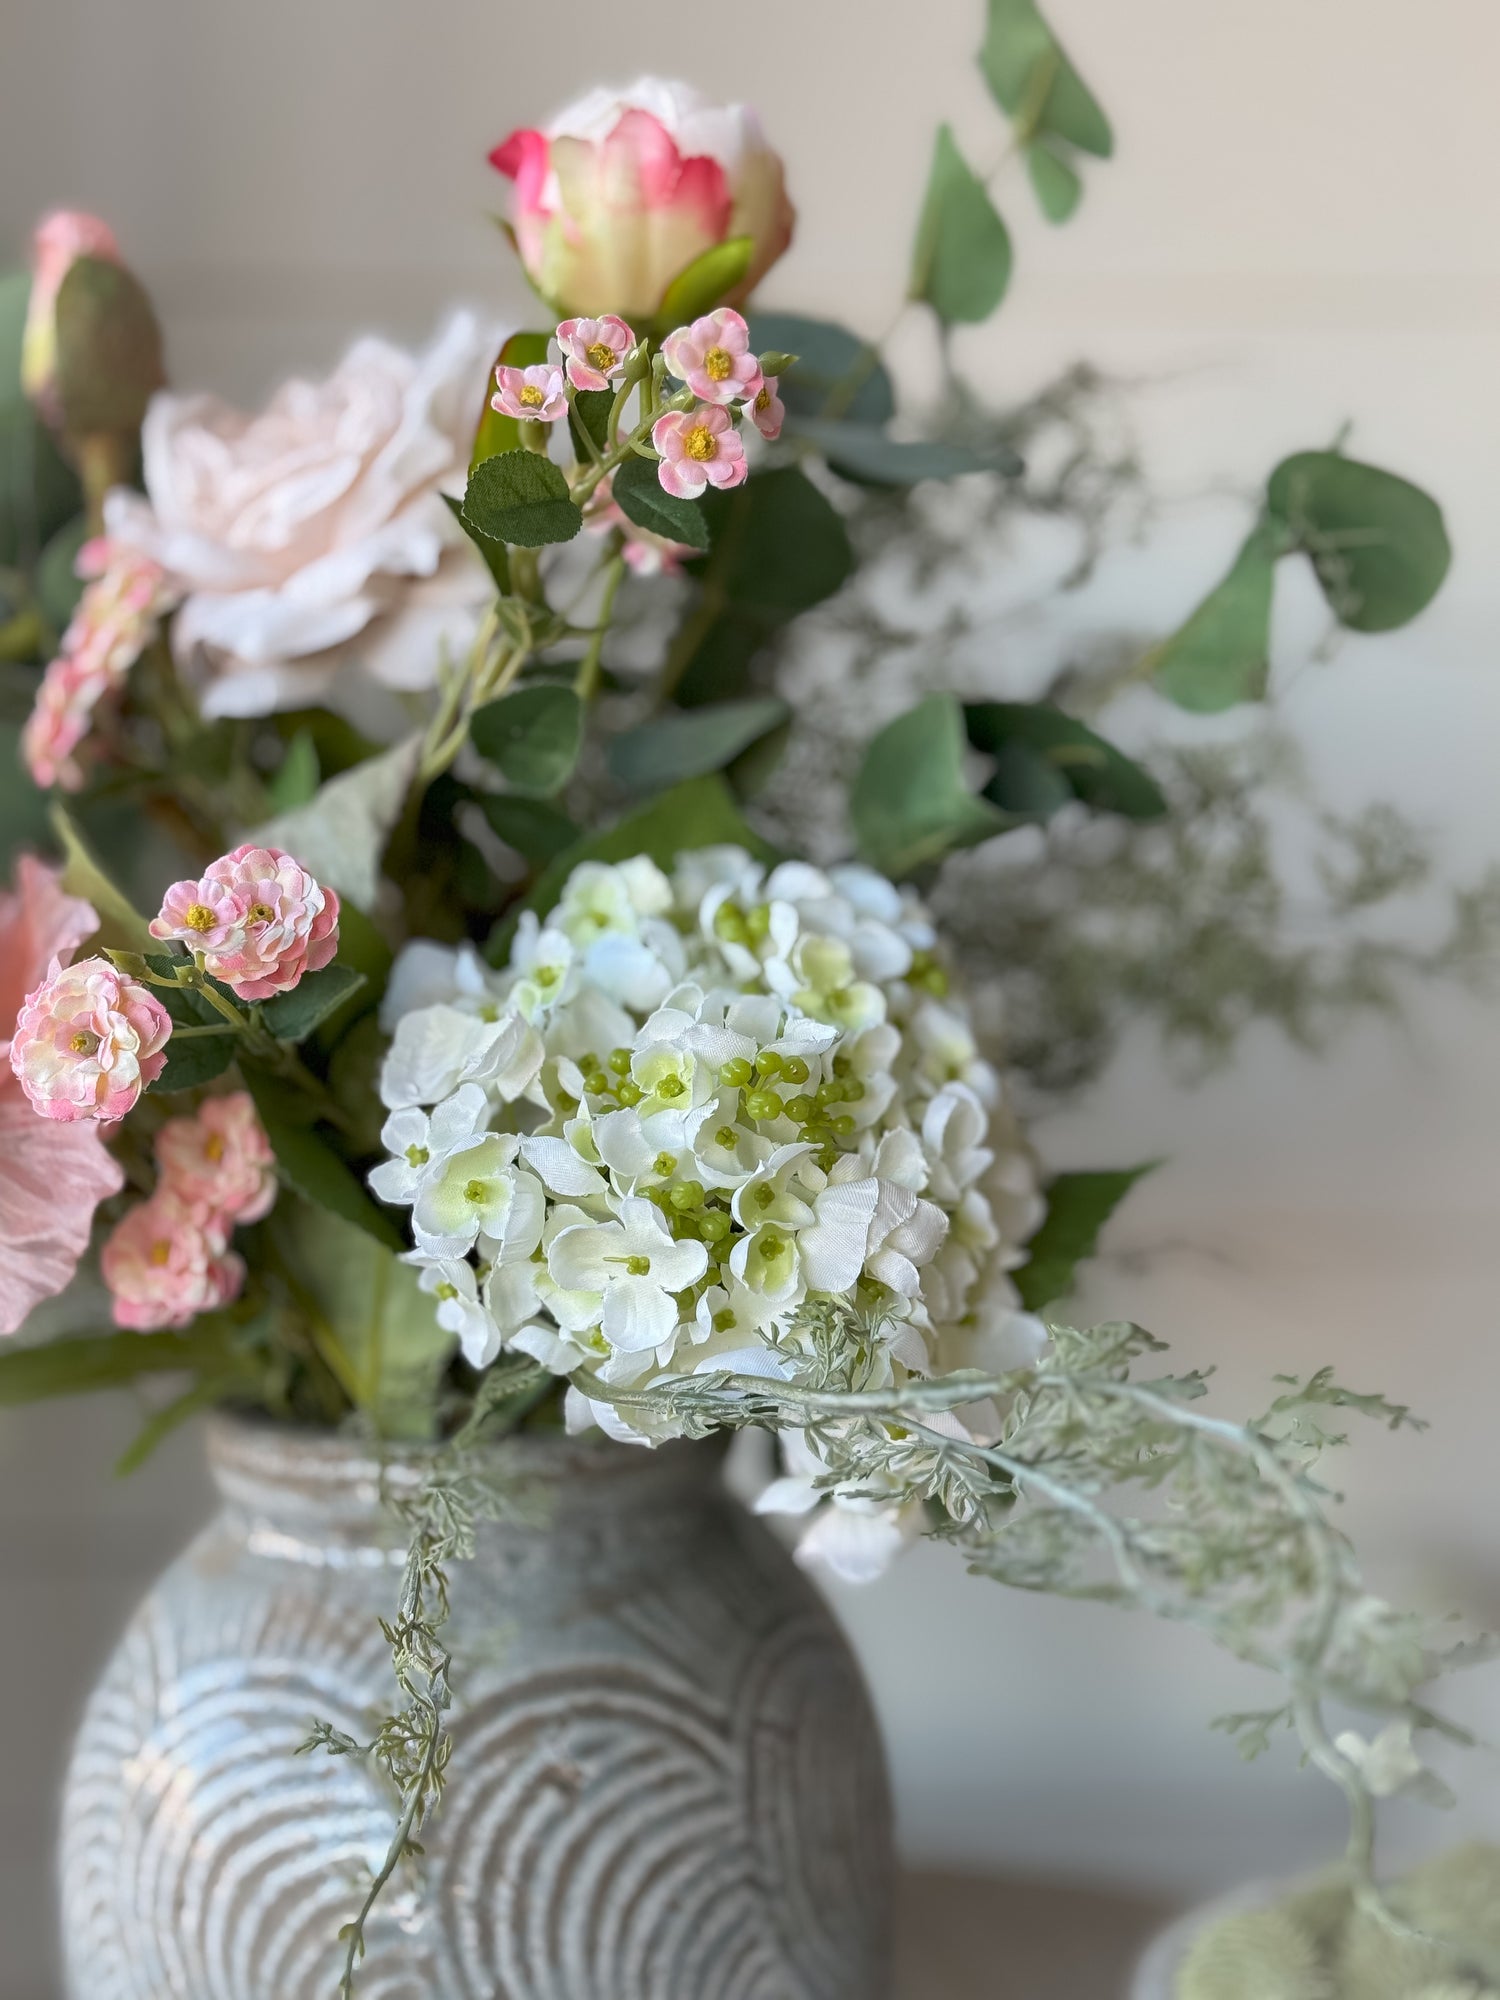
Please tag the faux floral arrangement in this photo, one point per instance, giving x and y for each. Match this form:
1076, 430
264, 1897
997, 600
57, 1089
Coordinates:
487, 1068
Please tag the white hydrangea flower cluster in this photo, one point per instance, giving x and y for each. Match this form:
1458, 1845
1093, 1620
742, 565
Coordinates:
688, 1106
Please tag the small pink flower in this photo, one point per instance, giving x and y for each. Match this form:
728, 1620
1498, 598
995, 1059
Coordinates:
713, 357
164, 1265
698, 448
766, 410
594, 350
218, 1163
535, 395
88, 1041
58, 724
645, 553
257, 918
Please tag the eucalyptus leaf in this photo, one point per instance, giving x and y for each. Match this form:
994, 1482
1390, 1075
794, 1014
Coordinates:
308, 1164
537, 831
1078, 1206
909, 802
495, 554
520, 497
58, 584
23, 808
1376, 542
640, 496
707, 281
291, 1017
295, 781
1045, 757
780, 546
1030, 76
689, 744
962, 261
340, 834
867, 454
1057, 187
837, 374
119, 923
532, 736
495, 432
1222, 654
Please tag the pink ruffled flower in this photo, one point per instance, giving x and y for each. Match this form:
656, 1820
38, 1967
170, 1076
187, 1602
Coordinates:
258, 920
164, 1265
537, 394
594, 350
698, 448
218, 1163
645, 553
88, 1041
713, 357
59, 722
60, 239
52, 1177
766, 410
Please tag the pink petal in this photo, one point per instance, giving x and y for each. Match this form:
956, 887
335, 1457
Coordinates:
52, 1177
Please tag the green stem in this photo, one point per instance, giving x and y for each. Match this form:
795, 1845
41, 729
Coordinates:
587, 683
583, 488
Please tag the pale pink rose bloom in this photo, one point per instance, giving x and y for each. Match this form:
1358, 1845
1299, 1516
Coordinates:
164, 1265
52, 1177
698, 448
625, 189
58, 241
218, 1163
88, 1041
272, 920
766, 410
594, 350
309, 543
537, 394
713, 357
646, 554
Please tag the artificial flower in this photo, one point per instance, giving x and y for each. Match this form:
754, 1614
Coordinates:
59, 240
698, 448
635, 1266
257, 920
594, 350
623, 190
713, 357
766, 410
164, 1264
218, 1162
537, 394
478, 1190
88, 1041
419, 1145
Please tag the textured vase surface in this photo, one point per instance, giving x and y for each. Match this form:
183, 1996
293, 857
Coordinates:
666, 1780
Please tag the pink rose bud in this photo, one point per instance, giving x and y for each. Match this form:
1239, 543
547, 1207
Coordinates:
164, 1265
60, 239
256, 918
218, 1163
594, 350
766, 410
88, 1041
623, 191
713, 357
537, 394
698, 448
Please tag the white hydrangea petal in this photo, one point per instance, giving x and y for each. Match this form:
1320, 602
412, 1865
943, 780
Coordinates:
638, 1313
833, 1250
856, 1547
560, 1168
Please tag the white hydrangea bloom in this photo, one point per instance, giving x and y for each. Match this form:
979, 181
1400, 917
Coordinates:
685, 1108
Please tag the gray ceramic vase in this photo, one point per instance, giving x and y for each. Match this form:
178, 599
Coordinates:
666, 1783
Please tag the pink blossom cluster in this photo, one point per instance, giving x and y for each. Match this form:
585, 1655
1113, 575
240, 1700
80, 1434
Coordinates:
169, 1258
255, 920
701, 447
88, 1041
116, 618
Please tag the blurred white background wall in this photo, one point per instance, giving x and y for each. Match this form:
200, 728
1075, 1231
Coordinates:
1300, 228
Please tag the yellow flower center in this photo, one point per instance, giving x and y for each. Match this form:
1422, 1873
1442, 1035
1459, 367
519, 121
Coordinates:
531, 397
763, 400
671, 1086
701, 443
664, 1163
638, 1267
445, 1291
417, 1156
84, 1043
476, 1190
718, 364
160, 1251
260, 913
213, 1147
199, 917
724, 1319
599, 356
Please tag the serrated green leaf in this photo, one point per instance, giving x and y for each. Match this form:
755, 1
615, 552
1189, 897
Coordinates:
495, 555
532, 736
640, 496
1376, 542
537, 831
308, 1164
1031, 77
196, 1058
962, 261
521, 497
588, 419
706, 282
1078, 1206
495, 433
1222, 654
837, 375
296, 778
689, 744
909, 802
291, 1017
1044, 757
1057, 187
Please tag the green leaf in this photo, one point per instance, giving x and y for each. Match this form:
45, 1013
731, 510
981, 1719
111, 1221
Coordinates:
109, 359
642, 498
785, 546
961, 264
1222, 654
340, 834
538, 832
196, 1059
1376, 542
385, 1340
1044, 758
1078, 1206
308, 1164
296, 777
909, 802
521, 497
532, 736
291, 1017
706, 282
77, 1367
864, 453
495, 433
23, 809
119, 923
1057, 187
58, 584
588, 419
496, 556
834, 367
39, 491
1031, 77
691, 743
